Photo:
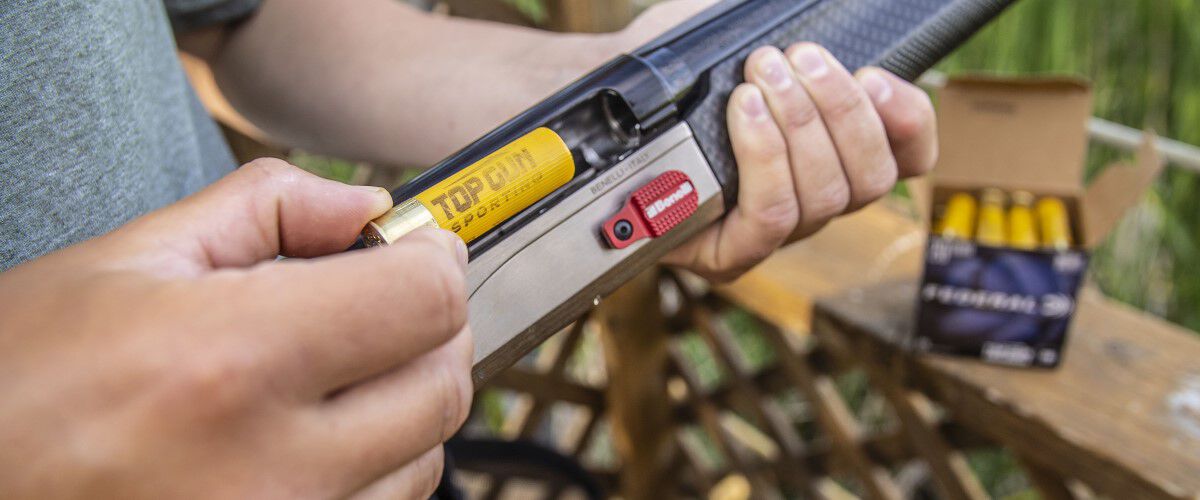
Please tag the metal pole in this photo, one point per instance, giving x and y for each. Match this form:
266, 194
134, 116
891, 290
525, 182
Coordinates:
1177, 153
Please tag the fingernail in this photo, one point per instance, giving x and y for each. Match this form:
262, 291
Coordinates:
877, 86
810, 61
383, 199
460, 247
774, 71
753, 104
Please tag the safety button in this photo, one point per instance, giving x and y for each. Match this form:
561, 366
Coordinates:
653, 210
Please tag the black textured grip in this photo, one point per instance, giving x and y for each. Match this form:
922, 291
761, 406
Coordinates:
906, 37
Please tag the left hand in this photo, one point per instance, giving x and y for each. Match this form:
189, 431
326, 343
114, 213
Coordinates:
812, 142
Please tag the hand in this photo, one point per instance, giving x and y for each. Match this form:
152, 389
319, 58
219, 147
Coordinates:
176, 358
812, 142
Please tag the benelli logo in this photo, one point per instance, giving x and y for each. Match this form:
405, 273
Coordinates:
662, 204
1053, 305
494, 175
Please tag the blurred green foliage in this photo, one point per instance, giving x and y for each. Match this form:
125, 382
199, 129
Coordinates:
1143, 57
329, 168
531, 8
1000, 474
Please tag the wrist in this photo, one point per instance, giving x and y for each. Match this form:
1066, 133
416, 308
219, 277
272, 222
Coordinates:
572, 55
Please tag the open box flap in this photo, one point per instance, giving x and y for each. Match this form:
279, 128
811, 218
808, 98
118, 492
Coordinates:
1117, 189
1013, 134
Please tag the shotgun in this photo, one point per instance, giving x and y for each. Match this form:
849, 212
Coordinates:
575, 196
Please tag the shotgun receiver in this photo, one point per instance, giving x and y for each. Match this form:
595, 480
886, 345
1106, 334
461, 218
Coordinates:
575, 196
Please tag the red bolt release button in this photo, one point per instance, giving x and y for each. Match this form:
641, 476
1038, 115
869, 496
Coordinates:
653, 210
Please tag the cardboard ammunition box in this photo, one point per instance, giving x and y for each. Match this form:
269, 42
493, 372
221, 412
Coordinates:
1002, 304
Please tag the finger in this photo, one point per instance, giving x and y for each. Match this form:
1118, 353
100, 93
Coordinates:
767, 211
417, 479
821, 187
383, 424
268, 208
852, 121
907, 116
326, 323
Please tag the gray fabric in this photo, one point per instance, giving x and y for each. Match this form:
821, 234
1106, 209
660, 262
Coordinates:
191, 14
98, 123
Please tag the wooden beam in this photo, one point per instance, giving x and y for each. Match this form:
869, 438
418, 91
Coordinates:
835, 420
634, 335
952, 476
549, 388
1103, 417
591, 16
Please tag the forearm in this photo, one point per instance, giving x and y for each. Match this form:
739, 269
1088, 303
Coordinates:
383, 82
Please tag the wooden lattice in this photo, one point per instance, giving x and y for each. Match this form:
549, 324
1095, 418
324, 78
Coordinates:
777, 427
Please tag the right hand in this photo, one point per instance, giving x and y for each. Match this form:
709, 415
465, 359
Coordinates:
175, 358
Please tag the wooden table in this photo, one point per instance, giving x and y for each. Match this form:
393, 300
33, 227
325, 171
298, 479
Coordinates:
1122, 413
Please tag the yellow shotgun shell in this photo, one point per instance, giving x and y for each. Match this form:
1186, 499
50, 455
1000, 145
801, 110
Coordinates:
959, 219
1021, 231
483, 195
1055, 223
991, 228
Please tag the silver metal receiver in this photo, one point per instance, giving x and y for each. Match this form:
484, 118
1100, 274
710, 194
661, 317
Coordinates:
543, 276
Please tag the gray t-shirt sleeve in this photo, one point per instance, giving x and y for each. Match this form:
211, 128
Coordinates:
188, 15
97, 121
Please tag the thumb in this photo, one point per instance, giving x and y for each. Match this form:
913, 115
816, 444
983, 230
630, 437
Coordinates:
268, 208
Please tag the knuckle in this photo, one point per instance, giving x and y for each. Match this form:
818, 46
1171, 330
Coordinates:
927, 164
800, 113
876, 183
771, 147
845, 101
466, 349
830, 201
272, 170
907, 125
431, 473
916, 134
457, 391
442, 282
219, 381
736, 269
912, 122
453, 289
777, 219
